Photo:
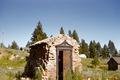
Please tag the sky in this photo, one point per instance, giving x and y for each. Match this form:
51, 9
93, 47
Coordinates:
97, 20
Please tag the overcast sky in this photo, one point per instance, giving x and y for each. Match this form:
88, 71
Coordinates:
92, 19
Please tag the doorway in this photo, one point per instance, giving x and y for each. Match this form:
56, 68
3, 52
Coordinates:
60, 67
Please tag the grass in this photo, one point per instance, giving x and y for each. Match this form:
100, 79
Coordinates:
5, 61
8, 68
100, 72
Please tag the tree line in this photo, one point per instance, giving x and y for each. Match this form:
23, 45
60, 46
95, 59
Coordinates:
91, 50
94, 49
13, 45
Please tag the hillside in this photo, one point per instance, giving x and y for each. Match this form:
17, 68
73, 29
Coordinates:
11, 62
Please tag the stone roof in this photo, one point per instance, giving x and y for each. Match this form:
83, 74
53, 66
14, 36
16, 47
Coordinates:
56, 40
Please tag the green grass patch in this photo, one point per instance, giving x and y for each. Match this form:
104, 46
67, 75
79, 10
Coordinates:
8, 68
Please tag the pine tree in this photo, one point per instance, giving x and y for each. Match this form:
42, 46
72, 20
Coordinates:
14, 45
92, 49
84, 48
38, 34
70, 33
98, 48
2, 45
62, 30
105, 51
9, 47
75, 36
112, 48
95, 62
28, 44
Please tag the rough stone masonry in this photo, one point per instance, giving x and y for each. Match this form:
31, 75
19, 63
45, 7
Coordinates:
44, 55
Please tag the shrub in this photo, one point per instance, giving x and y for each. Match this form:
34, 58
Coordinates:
77, 76
38, 74
95, 62
18, 75
10, 75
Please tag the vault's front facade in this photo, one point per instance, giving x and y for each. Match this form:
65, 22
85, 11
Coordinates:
63, 60
56, 56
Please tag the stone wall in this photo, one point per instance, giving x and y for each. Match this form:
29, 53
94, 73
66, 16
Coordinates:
44, 53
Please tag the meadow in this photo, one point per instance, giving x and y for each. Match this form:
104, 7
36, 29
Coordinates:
12, 63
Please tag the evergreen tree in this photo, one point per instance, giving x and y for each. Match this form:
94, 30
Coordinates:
105, 51
51, 36
75, 36
112, 48
92, 49
98, 48
84, 48
70, 33
2, 45
9, 47
38, 34
95, 62
28, 44
62, 30
14, 45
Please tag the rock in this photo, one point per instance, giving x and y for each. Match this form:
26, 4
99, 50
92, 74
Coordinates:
10, 68
22, 58
25, 78
83, 56
14, 57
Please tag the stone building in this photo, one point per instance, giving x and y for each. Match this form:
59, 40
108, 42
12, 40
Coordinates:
55, 55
